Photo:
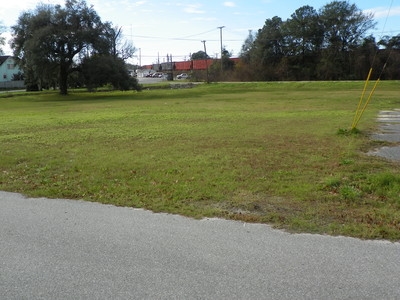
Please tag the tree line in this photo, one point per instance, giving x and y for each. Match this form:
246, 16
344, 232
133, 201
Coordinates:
68, 46
328, 44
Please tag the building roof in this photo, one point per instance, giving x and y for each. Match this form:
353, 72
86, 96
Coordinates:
3, 58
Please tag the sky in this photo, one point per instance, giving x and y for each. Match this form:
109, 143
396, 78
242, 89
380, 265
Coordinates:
158, 28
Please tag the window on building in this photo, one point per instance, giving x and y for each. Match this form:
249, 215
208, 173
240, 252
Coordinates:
5, 76
10, 66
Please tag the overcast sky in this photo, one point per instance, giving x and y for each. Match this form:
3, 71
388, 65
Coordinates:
177, 28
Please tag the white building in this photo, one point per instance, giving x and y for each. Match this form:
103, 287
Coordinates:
8, 70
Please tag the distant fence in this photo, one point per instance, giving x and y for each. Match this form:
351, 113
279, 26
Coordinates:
6, 85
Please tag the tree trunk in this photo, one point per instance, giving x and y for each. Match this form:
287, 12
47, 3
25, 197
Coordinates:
63, 79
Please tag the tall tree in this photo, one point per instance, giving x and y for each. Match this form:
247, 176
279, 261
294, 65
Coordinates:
51, 37
304, 32
247, 46
304, 35
271, 40
2, 39
268, 49
345, 26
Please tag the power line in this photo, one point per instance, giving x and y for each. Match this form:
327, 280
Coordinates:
180, 39
186, 38
197, 34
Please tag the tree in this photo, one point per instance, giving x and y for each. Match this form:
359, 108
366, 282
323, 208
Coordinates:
227, 63
99, 70
247, 46
389, 56
222, 69
304, 36
344, 26
268, 49
51, 38
364, 57
119, 47
2, 39
309, 45
271, 40
199, 55
390, 42
304, 32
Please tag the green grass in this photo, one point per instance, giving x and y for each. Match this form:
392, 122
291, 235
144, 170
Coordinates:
278, 153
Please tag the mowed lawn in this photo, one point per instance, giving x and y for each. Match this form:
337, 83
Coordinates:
277, 153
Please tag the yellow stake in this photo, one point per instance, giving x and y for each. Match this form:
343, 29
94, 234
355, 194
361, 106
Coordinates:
361, 100
369, 98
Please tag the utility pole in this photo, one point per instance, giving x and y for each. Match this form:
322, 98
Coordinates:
205, 51
220, 38
171, 68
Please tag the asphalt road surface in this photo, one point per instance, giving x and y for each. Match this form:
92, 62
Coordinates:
65, 249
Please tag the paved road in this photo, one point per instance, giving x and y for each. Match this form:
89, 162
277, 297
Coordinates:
64, 249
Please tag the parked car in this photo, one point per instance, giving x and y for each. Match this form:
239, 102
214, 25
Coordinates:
182, 76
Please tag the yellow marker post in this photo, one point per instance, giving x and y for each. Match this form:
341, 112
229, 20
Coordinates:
366, 103
354, 124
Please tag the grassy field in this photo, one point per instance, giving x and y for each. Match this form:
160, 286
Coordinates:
277, 153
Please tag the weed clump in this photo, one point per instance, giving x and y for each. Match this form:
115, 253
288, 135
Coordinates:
347, 132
